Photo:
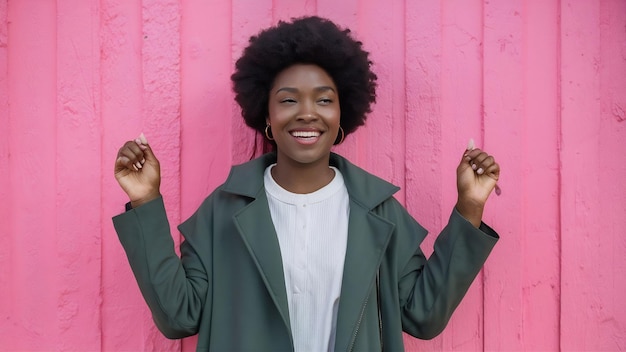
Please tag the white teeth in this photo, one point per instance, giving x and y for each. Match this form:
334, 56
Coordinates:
305, 134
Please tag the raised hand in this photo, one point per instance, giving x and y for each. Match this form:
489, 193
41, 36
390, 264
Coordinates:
477, 176
138, 172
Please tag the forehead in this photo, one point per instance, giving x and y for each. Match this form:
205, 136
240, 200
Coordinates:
303, 76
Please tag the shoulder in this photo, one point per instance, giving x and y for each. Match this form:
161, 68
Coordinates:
247, 179
243, 184
376, 196
363, 187
405, 223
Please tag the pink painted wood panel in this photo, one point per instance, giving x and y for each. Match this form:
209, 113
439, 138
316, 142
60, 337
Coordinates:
540, 84
5, 192
592, 148
503, 115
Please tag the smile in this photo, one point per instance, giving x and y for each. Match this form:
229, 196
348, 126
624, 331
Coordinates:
306, 137
305, 134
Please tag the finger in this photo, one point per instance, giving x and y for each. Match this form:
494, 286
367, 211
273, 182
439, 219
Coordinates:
129, 161
143, 139
482, 162
148, 155
132, 145
472, 158
133, 153
140, 144
123, 163
142, 148
493, 171
479, 160
471, 154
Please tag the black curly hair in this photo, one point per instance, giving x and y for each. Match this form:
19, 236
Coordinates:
305, 40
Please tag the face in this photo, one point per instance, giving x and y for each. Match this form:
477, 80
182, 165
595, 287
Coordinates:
304, 114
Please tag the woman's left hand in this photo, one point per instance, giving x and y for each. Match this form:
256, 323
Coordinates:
477, 176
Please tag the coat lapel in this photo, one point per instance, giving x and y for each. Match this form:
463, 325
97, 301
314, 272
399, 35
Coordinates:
257, 231
368, 237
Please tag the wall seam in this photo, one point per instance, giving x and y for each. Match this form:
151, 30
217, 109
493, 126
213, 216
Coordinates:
405, 102
180, 119
482, 132
102, 205
57, 281
559, 139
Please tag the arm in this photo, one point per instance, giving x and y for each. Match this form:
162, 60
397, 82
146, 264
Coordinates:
174, 288
435, 288
430, 291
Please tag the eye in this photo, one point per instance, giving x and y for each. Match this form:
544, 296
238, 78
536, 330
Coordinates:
288, 101
325, 101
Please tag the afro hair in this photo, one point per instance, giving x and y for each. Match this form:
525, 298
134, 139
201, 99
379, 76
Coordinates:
306, 40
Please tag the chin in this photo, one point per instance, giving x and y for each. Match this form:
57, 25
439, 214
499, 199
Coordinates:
308, 158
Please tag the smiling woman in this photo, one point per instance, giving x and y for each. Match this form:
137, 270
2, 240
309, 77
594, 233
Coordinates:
299, 249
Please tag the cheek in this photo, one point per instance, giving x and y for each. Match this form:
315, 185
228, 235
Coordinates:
335, 116
337, 112
273, 114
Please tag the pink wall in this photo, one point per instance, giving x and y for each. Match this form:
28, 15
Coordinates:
539, 83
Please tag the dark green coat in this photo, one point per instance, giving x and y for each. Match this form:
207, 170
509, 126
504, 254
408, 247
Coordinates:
229, 285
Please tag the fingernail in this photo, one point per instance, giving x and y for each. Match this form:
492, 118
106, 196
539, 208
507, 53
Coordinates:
135, 167
473, 166
470, 144
480, 171
143, 138
143, 161
138, 165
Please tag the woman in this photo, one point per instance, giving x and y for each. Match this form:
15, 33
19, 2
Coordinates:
299, 249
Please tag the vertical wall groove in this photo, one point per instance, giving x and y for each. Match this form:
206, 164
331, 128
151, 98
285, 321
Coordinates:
559, 138
483, 276
6, 259
101, 146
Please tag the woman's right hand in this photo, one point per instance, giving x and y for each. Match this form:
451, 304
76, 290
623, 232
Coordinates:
138, 172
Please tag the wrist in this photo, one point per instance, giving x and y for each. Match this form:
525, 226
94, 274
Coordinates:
471, 211
143, 200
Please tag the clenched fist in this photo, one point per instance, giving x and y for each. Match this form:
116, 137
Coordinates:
477, 176
138, 172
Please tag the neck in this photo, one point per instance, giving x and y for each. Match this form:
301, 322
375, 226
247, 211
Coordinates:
302, 178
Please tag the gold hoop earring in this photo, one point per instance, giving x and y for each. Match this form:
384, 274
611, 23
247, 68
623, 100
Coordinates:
268, 132
340, 140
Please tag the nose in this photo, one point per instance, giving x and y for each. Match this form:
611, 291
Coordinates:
307, 112
308, 117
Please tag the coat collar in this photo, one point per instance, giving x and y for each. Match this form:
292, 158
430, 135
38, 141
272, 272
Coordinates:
368, 237
364, 188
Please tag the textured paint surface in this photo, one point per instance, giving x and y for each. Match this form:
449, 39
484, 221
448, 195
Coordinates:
540, 84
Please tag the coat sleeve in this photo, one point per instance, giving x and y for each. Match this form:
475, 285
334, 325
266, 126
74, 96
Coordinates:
174, 288
430, 290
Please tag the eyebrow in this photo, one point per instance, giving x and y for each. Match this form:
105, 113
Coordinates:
295, 90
